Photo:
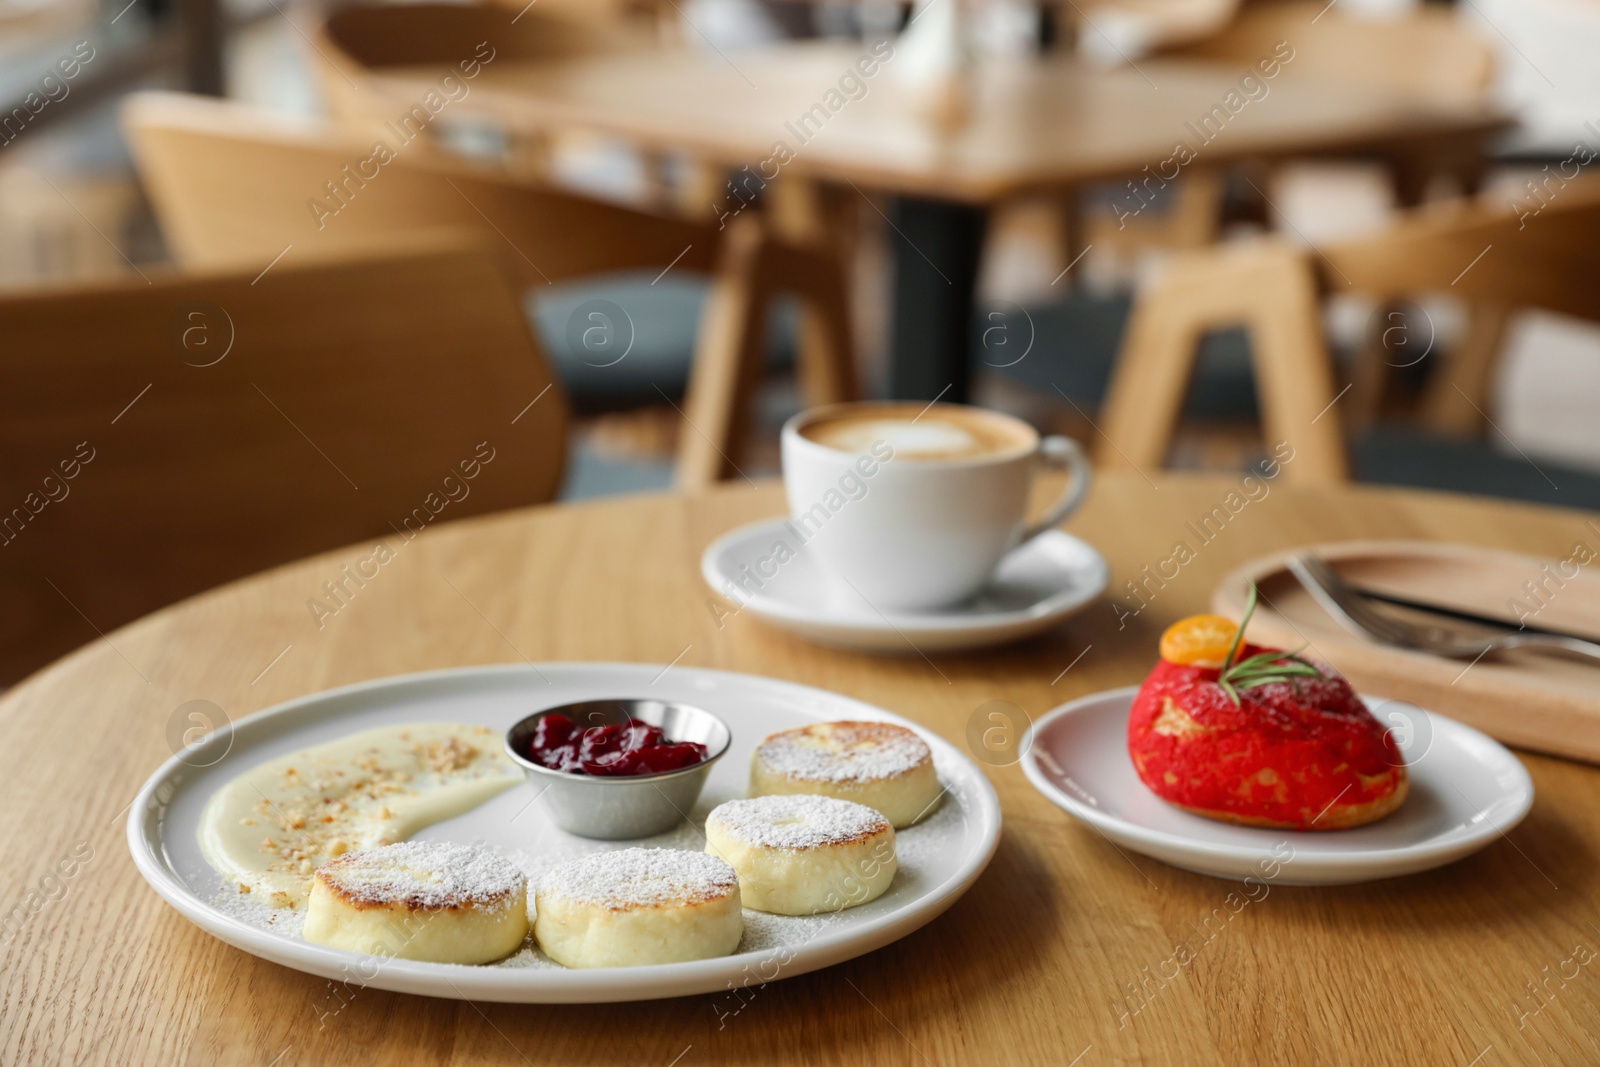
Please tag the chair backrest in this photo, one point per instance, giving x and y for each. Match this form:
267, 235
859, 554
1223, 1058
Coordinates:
161, 438
1540, 250
231, 184
357, 40
1428, 50
375, 36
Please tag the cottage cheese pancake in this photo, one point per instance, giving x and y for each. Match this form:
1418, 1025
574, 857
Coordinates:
272, 826
420, 900
638, 906
803, 854
883, 766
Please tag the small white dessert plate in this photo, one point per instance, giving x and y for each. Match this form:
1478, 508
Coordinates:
1467, 790
1037, 586
939, 858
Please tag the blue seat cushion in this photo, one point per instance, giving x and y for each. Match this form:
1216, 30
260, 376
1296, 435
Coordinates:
1074, 346
626, 339
1390, 455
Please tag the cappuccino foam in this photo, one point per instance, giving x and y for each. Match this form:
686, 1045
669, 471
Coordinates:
938, 433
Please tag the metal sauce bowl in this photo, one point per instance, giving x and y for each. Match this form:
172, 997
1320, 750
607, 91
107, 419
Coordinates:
617, 808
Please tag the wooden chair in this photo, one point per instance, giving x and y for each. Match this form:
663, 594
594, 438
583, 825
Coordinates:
1499, 260
165, 437
355, 42
1428, 52
1269, 289
230, 184
351, 47
1496, 258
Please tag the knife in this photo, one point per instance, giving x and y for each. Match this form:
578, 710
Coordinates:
1466, 616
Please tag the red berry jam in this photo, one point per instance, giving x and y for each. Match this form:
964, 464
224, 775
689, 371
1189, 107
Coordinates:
609, 751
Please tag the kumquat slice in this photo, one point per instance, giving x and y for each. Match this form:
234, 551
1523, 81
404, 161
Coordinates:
1198, 641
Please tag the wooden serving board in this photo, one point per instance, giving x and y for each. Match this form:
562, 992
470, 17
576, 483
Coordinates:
1546, 702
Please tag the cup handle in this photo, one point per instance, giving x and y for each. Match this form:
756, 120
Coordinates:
1063, 453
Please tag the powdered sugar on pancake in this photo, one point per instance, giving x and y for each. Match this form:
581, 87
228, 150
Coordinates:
641, 878
843, 752
425, 875
797, 822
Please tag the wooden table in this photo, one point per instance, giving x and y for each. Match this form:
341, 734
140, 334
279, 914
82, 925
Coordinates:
1046, 125
1042, 962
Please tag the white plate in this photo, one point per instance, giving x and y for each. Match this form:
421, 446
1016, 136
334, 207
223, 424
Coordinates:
939, 858
1036, 587
1467, 790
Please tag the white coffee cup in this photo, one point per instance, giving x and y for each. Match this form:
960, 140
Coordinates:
891, 504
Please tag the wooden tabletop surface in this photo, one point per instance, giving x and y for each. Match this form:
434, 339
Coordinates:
1493, 960
1036, 124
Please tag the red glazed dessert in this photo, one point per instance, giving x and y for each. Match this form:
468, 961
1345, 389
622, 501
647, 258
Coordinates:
609, 751
1271, 740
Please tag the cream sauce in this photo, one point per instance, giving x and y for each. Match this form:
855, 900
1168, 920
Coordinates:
269, 828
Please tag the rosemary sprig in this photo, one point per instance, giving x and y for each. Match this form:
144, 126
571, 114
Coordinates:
1263, 667
1244, 620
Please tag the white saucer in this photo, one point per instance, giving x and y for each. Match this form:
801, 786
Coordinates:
1467, 790
1036, 587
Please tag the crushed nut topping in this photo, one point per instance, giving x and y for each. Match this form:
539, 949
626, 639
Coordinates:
451, 754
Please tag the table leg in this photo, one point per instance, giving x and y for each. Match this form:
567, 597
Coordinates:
936, 249
203, 32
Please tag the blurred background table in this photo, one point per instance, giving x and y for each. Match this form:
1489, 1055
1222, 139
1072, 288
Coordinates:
1050, 958
1035, 125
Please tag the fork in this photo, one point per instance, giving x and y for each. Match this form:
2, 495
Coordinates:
1348, 606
